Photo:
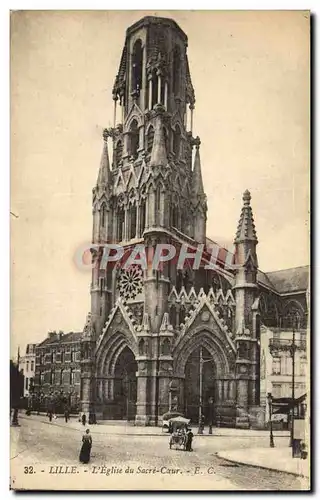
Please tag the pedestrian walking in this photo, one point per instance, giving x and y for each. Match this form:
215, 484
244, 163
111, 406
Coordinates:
85, 451
50, 415
189, 440
66, 415
83, 419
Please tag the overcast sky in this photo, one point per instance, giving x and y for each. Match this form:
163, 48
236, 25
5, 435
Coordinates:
250, 71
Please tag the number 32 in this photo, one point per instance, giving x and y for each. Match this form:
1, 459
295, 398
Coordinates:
28, 470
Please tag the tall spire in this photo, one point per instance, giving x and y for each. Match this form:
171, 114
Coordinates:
104, 170
246, 229
159, 153
196, 174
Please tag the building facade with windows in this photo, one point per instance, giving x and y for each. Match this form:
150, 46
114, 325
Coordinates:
277, 363
154, 337
27, 364
57, 366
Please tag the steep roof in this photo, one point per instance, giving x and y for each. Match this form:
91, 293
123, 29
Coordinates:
66, 337
264, 280
295, 279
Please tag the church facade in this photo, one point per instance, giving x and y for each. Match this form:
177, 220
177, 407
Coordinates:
168, 338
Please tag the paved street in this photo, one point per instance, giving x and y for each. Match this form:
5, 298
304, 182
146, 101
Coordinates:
40, 445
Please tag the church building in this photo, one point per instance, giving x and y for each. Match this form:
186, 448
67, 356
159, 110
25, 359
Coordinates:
188, 339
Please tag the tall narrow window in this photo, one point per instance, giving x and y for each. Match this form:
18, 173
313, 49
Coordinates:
176, 141
157, 206
103, 216
142, 217
166, 142
133, 221
176, 70
120, 224
137, 60
150, 139
154, 88
134, 139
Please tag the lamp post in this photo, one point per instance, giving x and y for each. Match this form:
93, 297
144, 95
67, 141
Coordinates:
200, 429
210, 414
201, 363
270, 419
293, 347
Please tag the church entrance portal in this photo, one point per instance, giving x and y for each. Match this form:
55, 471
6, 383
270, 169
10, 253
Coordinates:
125, 385
192, 385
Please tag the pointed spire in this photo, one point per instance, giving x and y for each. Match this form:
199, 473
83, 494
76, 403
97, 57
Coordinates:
159, 153
196, 173
246, 229
104, 175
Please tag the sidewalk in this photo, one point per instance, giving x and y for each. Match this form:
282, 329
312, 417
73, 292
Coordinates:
279, 459
116, 427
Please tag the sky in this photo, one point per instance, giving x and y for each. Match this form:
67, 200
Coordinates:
250, 71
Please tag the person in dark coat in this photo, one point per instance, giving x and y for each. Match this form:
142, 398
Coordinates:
85, 451
83, 419
189, 440
50, 415
66, 414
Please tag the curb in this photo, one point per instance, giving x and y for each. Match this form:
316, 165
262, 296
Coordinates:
296, 474
248, 436
56, 424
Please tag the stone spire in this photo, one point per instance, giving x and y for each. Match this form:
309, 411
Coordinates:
159, 153
104, 175
197, 182
246, 229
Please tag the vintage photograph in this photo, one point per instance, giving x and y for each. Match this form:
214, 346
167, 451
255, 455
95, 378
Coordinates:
160, 262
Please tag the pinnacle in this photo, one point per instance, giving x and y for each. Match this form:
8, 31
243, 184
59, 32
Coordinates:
196, 174
246, 229
104, 170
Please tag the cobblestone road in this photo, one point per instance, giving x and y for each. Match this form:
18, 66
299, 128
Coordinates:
148, 461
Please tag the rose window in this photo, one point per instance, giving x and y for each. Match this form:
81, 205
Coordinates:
130, 282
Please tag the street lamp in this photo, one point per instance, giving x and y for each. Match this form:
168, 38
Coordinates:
210, 414
201, 363
295, 320
269, 397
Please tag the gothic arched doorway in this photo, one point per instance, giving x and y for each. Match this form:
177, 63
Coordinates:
125, 385
192, 384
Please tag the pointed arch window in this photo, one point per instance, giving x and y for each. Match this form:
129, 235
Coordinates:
173, 316
175, 216
137, 61
120, 224
103, 216
150, 137
154, 81
176, 70
134, 139
142, 217
133, 221
176, 141
142, 347
157, 205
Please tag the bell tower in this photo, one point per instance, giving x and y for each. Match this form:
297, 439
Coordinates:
149, 193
